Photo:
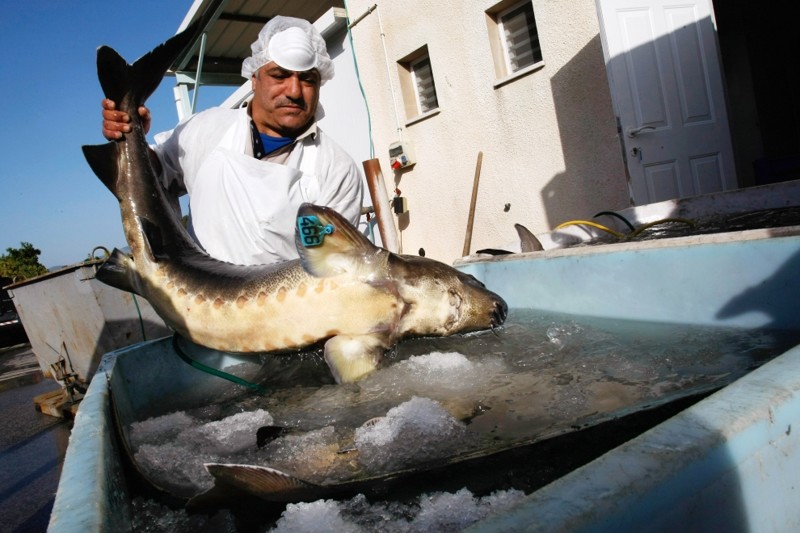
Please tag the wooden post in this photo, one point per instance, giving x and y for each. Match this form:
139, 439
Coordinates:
471, 218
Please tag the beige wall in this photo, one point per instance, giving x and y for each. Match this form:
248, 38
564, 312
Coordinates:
549, 142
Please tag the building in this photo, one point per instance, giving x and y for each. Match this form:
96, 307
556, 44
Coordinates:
576, 106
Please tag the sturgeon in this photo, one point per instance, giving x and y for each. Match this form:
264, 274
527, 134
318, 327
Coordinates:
356, 298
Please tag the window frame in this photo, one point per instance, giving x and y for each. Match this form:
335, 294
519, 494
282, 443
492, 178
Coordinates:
499, 44
408, 86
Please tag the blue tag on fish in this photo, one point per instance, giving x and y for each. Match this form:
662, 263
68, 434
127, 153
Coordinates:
312, 231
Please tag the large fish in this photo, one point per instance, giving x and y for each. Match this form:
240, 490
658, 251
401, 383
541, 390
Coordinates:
357, 298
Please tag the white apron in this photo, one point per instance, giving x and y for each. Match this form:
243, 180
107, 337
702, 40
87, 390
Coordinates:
243, 210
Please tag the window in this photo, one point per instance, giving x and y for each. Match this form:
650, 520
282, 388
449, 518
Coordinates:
417, 85
520, 38
423, 82
514, 38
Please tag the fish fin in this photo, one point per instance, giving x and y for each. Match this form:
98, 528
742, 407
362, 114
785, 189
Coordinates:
527, 240
493, 251
103, 160
350, 358
118, 271
153, 239
343, 250
265, 482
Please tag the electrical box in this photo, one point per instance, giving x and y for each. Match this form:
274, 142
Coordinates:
400, 155
399, 205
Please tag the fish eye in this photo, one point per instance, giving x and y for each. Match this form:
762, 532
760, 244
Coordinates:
474, 281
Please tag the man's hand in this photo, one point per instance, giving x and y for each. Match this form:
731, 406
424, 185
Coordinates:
115, 123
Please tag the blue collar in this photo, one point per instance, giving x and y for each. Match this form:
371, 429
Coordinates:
266, 144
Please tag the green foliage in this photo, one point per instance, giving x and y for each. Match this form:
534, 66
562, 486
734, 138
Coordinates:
21, 263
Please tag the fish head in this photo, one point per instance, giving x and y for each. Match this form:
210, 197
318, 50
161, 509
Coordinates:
435, 298
441, 300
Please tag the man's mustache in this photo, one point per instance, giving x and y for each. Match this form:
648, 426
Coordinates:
284, 101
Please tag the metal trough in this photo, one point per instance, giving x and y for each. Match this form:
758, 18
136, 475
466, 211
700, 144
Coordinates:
721, 461
71, 320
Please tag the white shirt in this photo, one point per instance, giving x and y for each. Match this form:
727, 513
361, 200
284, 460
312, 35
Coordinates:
243, 210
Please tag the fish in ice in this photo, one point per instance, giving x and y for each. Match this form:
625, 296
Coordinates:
356, 298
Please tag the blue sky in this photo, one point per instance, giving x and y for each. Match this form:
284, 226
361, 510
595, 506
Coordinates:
51, 106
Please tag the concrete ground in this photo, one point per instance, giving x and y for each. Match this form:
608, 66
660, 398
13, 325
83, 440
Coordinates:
32, 444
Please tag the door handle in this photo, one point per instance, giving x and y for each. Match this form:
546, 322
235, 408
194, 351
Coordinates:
633, 132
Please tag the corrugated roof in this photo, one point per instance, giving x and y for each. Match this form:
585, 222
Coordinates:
233, 27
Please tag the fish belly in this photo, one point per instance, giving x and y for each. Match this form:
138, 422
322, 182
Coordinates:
287, 319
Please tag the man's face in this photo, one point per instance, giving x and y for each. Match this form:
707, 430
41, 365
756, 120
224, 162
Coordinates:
284, 101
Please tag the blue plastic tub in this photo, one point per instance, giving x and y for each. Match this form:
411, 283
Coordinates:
727, 463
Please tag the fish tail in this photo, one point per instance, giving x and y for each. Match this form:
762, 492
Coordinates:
129, 86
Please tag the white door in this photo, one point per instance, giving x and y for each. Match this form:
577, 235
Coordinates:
666, 84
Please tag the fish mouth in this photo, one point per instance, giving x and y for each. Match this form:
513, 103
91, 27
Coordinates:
499, 313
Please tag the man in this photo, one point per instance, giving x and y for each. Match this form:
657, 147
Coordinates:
247, 170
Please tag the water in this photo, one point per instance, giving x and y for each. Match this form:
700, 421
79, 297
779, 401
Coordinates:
539, 376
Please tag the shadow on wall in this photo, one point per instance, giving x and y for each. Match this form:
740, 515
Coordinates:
587, 128
762, 110
768, 298
681, 158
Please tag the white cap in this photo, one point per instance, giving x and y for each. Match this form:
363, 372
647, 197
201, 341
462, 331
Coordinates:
292, 43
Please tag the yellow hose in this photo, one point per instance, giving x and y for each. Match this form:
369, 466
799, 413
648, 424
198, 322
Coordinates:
619, 235
590, 223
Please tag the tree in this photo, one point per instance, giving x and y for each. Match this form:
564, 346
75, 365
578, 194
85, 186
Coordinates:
21, 263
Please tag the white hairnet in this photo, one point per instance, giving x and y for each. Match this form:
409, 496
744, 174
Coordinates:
292, 43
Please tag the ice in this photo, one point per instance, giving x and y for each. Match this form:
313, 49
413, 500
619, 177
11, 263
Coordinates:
149, 516
173, 448
435, 362
321, 515
448, 512
309, 455
176, 465
161, 428
457, 382
440, 512
236, 432
413, 432
445, 372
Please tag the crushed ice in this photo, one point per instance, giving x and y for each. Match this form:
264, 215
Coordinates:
413, 432
438, 511
172, 448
